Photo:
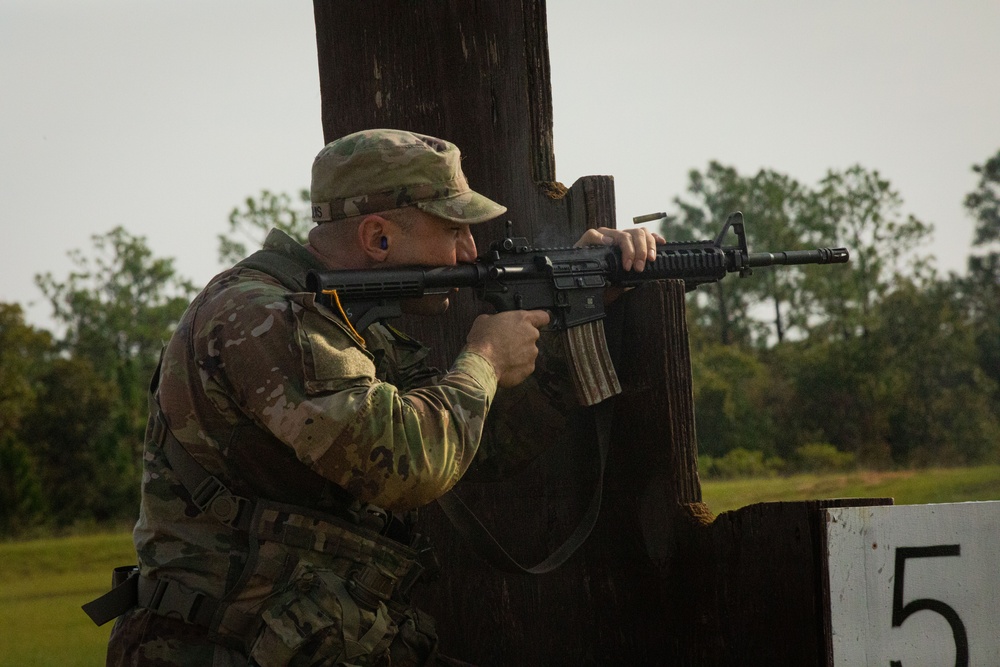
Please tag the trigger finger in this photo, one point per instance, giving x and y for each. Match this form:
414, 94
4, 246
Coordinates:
539, 318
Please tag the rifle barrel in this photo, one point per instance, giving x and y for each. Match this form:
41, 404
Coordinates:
818, 256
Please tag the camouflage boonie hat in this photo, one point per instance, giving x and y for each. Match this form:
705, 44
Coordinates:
380, 170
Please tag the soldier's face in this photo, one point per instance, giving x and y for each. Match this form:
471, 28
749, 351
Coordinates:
432, 241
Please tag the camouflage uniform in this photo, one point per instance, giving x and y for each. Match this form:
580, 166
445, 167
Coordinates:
281, 402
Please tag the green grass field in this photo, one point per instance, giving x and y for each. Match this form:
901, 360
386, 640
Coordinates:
42, 585
934, 485
44, 582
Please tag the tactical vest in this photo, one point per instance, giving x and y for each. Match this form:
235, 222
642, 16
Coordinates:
305, 570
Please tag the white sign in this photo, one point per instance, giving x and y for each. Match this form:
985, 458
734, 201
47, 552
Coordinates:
914, 585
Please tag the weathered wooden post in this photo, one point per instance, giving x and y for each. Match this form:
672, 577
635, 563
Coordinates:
476, 73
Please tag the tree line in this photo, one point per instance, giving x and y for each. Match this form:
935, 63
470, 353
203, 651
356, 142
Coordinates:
881, 362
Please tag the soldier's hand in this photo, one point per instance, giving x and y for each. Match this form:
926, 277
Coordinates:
508, 341
638, 245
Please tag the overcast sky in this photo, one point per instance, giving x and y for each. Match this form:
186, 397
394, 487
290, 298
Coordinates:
161, 116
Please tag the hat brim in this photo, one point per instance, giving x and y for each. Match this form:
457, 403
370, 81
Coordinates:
468, 207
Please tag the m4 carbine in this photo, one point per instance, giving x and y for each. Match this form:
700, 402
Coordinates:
567, 282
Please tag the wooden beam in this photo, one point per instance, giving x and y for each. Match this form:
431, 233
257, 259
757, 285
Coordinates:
476, 72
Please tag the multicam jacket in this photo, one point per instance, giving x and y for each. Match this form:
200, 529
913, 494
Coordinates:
279, 399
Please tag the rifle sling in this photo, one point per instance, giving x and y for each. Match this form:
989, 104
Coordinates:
482, 541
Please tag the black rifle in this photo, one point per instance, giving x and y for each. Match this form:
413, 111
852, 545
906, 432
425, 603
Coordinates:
567, 282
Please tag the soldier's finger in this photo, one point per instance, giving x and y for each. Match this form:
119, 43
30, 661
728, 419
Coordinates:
627, 245
538, 318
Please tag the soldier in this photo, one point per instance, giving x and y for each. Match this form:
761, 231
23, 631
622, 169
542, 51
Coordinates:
286, 450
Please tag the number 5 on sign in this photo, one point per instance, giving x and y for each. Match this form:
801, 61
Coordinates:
914, 585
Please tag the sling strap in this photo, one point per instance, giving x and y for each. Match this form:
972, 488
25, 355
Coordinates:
207, 492
472, 529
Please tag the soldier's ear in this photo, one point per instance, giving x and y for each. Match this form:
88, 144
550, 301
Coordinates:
375, 237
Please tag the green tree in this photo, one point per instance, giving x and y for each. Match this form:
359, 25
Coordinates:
258, 216
981, 287
779, 214
910, 391
22, 501
840, 396
721, 308
85, 462
22, 350
737, 399
938, 394
861, 210
120, 304
984, 202
24, 353
778, 207
117, 309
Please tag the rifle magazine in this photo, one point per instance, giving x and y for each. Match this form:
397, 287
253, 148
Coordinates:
594, 377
